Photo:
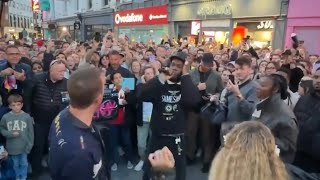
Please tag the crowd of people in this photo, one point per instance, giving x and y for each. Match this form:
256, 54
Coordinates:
253, 110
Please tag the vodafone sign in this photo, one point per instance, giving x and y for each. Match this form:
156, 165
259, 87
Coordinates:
143, 16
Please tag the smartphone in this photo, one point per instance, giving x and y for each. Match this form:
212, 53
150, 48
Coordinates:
11, 42
1, 149
152, 58
232, 79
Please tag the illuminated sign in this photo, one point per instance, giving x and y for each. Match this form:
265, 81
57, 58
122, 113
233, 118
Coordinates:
265, 25
35, 5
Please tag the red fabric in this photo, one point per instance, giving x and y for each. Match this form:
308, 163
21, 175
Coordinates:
119, 120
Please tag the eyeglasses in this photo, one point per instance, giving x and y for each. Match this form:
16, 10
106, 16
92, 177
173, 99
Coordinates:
56, 62
270, 68
13, 54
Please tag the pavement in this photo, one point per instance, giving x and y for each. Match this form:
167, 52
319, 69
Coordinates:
193, 173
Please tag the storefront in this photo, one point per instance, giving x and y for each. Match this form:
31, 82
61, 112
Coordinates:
96, 22
264, 21
67, 25
305, 23
203, 20
144, 24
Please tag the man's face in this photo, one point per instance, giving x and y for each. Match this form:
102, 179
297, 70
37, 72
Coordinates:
13, 55
115, 60
161, 52
316, 81
176, 68
3, 45
148, 54
200, 53
61, 57
57, 71
242, 72
275, 58
2, 55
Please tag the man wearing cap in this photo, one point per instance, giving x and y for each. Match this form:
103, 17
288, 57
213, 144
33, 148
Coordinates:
115, 65
46, 104
173, 94
209, 83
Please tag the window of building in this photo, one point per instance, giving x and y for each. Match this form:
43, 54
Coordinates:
24, 22
18, 22
105, 2
90, 4
11, 21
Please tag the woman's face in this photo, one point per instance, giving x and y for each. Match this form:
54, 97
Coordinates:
225, 76
262, 67
36, 68
270, 69
136, 67
117, 79
264, 88
105, 61
214, 67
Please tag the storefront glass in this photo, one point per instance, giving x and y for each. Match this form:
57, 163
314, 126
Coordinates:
260, 32
140, 34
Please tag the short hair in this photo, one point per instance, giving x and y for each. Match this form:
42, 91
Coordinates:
84, 86
285, 70
148, 67
64, 44
14, 98
200, 50
243, 60
59, 54
11, 47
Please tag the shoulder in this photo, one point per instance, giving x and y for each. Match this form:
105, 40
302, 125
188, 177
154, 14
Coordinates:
24, 66
41, 76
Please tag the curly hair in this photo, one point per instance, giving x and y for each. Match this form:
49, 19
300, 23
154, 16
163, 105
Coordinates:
248, 154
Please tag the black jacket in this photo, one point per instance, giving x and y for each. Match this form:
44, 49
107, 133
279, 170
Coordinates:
46, 98
307, 111
279, 118
171, 102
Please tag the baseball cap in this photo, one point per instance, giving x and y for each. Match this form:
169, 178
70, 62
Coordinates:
207, 59
179, 55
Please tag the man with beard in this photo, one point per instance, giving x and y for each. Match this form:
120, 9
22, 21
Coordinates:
173, 95
307, 112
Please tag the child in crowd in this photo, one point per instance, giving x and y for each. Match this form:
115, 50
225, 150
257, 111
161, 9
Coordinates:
17, 127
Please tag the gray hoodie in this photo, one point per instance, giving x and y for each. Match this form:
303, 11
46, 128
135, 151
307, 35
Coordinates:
22, 123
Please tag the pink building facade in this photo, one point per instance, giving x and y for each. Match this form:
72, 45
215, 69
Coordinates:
304, 20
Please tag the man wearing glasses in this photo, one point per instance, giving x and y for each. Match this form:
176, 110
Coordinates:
14, 78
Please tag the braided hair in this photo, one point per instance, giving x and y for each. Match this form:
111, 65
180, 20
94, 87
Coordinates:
280, 83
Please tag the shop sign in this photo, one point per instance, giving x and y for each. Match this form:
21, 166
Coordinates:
265, 25
215, 9
143, 16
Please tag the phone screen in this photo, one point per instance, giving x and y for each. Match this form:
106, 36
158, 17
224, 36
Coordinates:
152, 58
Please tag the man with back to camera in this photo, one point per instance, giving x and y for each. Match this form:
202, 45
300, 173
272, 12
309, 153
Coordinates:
76, 149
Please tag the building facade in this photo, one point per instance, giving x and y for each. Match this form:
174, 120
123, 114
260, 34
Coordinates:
304, 20
264, 21
20, 18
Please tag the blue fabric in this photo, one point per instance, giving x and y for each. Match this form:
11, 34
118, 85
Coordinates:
120, 134
7, 171
20, 165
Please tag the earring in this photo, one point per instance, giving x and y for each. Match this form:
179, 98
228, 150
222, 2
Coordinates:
277, 150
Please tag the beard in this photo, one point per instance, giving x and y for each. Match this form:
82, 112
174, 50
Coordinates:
176, 78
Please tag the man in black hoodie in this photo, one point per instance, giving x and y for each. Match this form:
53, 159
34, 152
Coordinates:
172, 94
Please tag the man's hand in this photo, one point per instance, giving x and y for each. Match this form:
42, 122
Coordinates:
20, 76
234, 88
165, 74
162, 160
7, 72
186, 67
15, 133
202, 86
4, 155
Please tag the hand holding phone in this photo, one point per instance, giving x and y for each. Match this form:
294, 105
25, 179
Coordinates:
232, 78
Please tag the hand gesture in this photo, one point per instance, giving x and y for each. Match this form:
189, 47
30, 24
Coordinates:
234, 88
20, 76
8, 71
202, 86
165, 74
162, 159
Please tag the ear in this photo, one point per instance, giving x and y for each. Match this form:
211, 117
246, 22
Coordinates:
275, 90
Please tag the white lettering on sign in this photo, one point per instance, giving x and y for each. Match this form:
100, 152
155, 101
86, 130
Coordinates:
224, 9
160, 16
265, 25
129, 18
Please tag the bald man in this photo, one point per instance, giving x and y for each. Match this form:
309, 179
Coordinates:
47, 102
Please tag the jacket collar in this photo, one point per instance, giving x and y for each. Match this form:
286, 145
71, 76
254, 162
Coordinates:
271, 101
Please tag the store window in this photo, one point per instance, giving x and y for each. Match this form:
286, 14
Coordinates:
91, 30
14, 21
260, 32
18, 23
11, 21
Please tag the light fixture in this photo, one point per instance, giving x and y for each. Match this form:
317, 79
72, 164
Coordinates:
64, 29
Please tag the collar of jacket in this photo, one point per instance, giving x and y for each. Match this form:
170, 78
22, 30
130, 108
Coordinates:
271, 101
48, 79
